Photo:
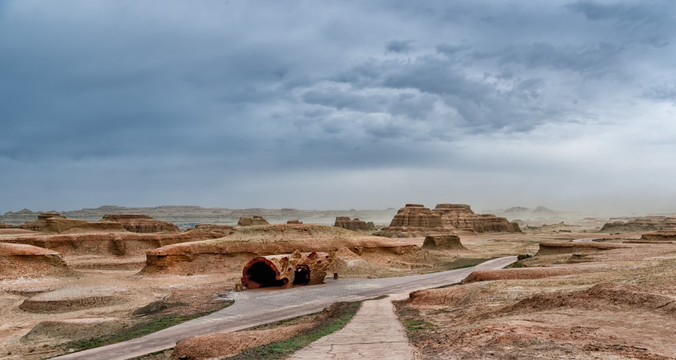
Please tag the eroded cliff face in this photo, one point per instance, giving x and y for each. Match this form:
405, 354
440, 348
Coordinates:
413, 220
417, 220
140, 223
252, 221
21, 260
353, 224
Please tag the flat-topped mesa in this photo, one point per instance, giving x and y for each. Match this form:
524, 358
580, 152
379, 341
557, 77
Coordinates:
55, 223
140, 223
413, 220
461, 217
41, 222
256, 220
353, 224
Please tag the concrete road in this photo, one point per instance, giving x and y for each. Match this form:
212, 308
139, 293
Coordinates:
260, 306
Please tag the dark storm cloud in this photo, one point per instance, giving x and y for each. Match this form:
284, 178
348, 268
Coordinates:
206, 96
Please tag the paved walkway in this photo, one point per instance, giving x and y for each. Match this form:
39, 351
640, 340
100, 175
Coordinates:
373, 333
261, 306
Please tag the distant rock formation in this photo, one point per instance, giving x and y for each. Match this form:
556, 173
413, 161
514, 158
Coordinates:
222, 229
640, 224
664, 235
140, 223
417, 220
41, 222
294, 222
7, 226
413, 220
355, 224
256, 220
461, 217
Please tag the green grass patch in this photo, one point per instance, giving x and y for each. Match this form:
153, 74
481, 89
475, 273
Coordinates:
412, 325
282, 349
142, 328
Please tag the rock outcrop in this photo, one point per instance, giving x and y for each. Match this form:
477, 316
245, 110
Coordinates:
461, 217
443, 242
229, 254
353, 224
41, 222
286, 270
665, 235
140, 223
256, 220
225, 230
413, 220
640, 224
20, 260
7, 226
417, 220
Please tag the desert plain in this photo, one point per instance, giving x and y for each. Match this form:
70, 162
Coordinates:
582, 288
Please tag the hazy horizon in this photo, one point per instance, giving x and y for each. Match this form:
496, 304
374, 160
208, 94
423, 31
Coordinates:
338, 105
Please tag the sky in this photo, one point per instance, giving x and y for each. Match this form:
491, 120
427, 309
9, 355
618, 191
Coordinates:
338, 104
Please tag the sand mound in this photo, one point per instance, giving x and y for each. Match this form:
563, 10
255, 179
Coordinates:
523, 273
17, 260
73, 298
450, 296
601, 296
231, 343
72, 329
555, 248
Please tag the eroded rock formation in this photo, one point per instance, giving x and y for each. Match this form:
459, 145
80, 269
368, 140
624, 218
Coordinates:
256, 220
286, 270
353, 224
461, 217
140, 223
443, 242
30, 261
639, 224
417, 220
413, 220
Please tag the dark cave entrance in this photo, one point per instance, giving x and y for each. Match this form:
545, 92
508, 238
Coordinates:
263, 275
302, 275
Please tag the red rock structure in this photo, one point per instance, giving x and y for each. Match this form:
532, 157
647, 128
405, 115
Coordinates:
355, 224
286, 270
140, 223
256, 220
413, 220
461, 217
41, 222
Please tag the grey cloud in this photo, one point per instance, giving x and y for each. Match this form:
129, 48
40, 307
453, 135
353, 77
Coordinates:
398, 46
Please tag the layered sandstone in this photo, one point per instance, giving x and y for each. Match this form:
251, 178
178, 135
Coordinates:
417, 220
229, 254
255, 220
665, 235
555, 248
140, 223
644, 223
20, 260
353, 224
108, 243
461, 217
413, 220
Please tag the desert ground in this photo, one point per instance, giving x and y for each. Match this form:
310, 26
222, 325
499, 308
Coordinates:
577, 292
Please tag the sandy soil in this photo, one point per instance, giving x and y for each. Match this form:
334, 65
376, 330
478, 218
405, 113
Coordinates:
612, 304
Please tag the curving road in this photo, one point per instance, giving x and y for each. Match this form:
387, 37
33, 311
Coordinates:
260, 306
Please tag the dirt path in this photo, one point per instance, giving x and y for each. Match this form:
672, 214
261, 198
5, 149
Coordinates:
255, 307
373, 333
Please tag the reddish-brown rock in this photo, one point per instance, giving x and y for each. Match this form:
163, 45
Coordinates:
413, 220
141, 223
286, 270
294, 222
353, 224
41, 222
461, 217
7, 226
256, 220
443, 242
225, 230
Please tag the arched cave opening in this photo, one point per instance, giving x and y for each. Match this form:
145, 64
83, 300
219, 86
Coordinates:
263, 275
301, 275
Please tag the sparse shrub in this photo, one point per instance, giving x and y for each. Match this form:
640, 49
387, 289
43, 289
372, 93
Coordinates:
523, 256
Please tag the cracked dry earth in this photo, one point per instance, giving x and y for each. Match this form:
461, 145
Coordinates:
373, 333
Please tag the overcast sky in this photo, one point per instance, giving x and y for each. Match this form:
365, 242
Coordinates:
338, 104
